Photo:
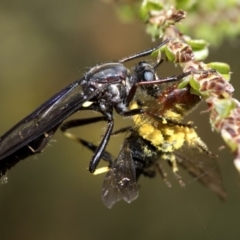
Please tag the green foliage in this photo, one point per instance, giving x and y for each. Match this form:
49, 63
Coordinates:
204, 18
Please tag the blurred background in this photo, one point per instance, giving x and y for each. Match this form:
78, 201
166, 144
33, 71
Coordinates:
44, 46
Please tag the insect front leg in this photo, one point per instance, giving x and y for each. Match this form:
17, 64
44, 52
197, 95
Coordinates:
108, 116
142, 83
97, 156
106, 156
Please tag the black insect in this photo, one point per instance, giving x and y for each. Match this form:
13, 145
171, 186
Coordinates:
159, 136
103, 88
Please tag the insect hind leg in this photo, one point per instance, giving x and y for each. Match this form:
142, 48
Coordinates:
94, 148
78, 123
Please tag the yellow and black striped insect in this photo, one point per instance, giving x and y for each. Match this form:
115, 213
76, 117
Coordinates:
159, 135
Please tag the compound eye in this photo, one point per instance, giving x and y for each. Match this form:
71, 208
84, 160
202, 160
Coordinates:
148, 76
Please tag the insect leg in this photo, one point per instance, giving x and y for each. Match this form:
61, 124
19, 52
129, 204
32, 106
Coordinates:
81, 122
163, 174
100, 149
97, 156
169, 120
106, 156
158, 81
122, 130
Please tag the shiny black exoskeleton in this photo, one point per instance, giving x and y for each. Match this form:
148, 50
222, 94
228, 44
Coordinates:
103, 88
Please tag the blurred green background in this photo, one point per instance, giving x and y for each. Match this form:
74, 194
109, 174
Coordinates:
45, 45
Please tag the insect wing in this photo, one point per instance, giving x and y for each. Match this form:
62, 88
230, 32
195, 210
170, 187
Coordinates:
120, 181
203, 167
44, 118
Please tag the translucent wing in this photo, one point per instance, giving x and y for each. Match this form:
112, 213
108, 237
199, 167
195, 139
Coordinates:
120, 181
203, 167
44, 119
